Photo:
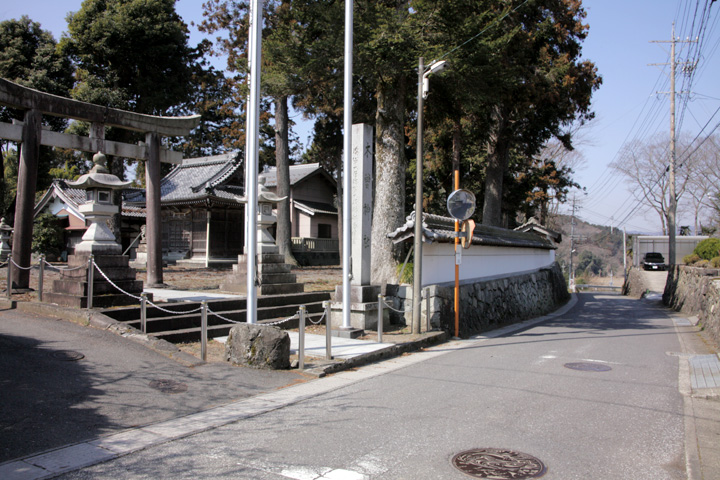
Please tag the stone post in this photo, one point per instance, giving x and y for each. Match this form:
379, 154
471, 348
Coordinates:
362, 177
363, 296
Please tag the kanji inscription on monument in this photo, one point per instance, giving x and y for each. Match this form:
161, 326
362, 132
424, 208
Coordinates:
362, 164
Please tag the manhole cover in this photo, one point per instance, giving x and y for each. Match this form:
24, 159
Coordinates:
67, 355
168, 386
498, 464
588, 367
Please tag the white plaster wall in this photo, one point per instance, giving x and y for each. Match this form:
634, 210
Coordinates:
480, 262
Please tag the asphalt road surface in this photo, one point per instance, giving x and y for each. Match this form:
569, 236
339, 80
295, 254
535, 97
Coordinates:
62, 383
621, 419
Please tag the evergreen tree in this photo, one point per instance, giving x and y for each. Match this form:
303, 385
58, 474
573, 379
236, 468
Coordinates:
29, 56
129, 54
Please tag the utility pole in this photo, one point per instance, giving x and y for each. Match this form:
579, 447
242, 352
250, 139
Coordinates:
673, 199
571, 275
624, 256
672, 207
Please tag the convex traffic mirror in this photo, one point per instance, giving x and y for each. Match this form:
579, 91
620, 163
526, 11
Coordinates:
461, 204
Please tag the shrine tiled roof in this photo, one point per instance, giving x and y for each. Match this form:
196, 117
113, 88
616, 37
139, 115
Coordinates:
215, 179
298, 173
436, 228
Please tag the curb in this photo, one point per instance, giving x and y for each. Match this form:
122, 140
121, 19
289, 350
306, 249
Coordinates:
435, 338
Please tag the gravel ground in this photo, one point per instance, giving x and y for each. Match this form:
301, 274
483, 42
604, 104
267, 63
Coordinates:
184, 278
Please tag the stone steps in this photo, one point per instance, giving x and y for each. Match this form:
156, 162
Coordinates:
186, 326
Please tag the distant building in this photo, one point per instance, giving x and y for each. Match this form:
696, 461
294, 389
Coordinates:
313, 213
684, 245
63, 202
201, 203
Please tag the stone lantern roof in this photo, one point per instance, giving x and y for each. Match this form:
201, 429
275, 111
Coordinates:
99, 176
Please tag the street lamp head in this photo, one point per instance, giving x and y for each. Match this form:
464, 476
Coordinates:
436, 67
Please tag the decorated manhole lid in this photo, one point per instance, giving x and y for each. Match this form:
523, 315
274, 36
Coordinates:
67, 355
588, 366
168, 386
498, 464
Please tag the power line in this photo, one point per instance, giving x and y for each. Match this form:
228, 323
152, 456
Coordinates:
498, 20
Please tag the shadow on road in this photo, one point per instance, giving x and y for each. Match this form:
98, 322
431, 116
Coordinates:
44, 394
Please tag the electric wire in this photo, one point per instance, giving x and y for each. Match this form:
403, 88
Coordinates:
695, 54
498, 20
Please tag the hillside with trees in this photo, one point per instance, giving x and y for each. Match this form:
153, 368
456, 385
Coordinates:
598, 251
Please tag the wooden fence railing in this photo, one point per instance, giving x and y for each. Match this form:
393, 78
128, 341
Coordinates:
309, 244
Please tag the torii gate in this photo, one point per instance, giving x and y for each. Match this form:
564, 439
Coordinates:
31, 135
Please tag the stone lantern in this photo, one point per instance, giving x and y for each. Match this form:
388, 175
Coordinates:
99, 208
111, 288
5, 233
273, 274
266, 218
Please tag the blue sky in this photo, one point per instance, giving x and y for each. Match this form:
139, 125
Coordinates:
627, 106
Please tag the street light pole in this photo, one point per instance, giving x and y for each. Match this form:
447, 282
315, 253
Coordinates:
251, 180
417, 246
347, 165
435, 67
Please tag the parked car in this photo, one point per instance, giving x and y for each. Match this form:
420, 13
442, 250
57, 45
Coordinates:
653, 261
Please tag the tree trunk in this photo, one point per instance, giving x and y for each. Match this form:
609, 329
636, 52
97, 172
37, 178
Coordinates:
497, 162
340, 213
2, 183
282, 162
389, 185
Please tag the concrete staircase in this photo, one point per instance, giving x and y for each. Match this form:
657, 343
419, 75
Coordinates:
185, 327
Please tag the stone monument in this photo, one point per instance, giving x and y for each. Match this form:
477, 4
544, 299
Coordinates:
273, 274
363, 296
99, 241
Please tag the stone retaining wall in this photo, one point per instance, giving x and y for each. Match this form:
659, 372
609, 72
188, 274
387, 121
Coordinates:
635, 286
696, 291
490, 303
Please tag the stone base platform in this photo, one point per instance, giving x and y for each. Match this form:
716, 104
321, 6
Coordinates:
72, 289
273, 276
363, 308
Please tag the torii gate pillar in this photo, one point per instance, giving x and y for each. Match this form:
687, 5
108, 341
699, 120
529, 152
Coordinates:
25, 200
153, 231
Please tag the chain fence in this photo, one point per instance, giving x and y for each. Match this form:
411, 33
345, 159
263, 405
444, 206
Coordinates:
21, 268
204, 309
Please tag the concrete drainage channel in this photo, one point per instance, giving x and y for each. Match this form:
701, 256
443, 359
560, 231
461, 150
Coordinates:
499, 464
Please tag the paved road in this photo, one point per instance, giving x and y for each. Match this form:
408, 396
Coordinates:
655, 280
50, 399
406, 418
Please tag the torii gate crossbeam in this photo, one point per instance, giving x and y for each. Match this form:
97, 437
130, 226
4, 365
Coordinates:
35, 104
